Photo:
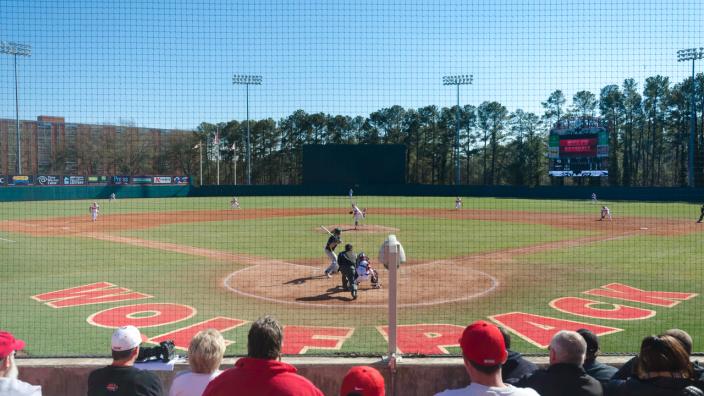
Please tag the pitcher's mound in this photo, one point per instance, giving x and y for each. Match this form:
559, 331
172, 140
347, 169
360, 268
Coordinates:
364, 228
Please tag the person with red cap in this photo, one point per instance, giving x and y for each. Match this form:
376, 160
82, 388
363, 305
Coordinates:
363, 381
9, 384
484, 352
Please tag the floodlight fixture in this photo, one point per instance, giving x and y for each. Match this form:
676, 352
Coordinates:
462, 79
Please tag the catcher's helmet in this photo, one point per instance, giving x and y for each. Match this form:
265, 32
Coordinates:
362, 256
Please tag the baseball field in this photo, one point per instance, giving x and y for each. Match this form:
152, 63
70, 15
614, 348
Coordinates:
174, 266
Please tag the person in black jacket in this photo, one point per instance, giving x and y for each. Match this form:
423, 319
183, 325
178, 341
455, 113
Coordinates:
662, 369
602, 372
347, 261
565, 375
516, 366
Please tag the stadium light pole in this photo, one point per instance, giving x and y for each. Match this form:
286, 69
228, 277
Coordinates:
247, 80
462, 79
682, 56
199, 146
16, 49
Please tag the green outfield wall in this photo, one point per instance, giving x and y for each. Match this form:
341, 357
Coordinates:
49, 193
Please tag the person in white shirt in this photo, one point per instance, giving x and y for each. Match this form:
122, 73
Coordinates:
205, 354
484, 352
9, 384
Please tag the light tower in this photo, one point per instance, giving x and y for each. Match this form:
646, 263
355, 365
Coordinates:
247, 80
16, 49
682, 56
463, 79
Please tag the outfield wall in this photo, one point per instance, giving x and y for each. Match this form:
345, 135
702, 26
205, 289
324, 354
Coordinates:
49, 193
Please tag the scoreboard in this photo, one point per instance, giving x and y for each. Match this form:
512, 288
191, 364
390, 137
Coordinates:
579, 147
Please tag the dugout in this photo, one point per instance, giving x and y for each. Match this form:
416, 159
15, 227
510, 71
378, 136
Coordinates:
354, 164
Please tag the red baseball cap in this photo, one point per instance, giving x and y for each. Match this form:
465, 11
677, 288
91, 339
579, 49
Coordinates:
483, 344
8, 344
363, 380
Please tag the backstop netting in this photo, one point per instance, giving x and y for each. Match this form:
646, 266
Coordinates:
180, 165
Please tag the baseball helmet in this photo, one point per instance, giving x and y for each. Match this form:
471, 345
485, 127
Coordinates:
362, 256
336, 231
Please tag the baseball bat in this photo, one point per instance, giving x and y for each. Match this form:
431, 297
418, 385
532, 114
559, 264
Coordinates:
326, 230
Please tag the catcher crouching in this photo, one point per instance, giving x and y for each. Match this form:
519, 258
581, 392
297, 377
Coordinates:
365, 272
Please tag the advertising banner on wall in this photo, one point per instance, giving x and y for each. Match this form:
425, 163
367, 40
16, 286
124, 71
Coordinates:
20, 180
48, 180
3, 180
120, 180
142, 179
182, 180
74, 180
162, 179
97, 179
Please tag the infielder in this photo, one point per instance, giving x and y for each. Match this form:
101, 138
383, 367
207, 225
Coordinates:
701, 215
365, 272
458, 203
605, 213
235, 203
358, 215
94, 210
329, 250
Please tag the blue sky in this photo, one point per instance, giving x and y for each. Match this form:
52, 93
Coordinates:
170, 63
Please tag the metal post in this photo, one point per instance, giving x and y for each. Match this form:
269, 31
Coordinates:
200, 151
394, 260
234, 163
249, 147
16, 49
217, 152
457, 80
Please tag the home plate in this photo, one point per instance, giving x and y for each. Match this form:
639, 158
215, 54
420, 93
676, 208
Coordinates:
644, 228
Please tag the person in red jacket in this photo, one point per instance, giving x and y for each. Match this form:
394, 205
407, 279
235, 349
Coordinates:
262, 372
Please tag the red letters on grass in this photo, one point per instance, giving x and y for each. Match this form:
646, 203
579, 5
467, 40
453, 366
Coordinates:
584, 307
94, 293
628, 293
425, 339
142, 315
299, 339
539, 330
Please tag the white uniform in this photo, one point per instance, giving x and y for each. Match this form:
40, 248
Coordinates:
605, 213
458, 203
113, 197
366, 273
94, 210
235, 204
593, 197
358, 215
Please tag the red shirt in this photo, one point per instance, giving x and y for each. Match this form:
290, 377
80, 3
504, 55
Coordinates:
261, 377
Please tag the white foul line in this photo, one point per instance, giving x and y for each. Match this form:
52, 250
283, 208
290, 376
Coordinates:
7, 240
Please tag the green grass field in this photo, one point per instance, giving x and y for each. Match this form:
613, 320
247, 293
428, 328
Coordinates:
533, 264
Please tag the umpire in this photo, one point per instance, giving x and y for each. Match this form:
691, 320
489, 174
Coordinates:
346, 260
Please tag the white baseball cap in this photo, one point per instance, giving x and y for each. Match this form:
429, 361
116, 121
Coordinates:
125, 338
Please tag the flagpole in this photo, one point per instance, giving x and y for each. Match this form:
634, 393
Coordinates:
217, 148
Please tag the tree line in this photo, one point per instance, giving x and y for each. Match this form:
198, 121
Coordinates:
649, 127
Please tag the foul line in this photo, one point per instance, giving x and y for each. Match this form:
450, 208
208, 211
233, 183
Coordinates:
7, 240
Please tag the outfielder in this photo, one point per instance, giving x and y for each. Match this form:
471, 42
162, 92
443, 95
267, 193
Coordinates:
329, 250
94, 210
113, 197
701, 215
235, 203
458, 203
593, 198
605, 213
358, 215
365, 272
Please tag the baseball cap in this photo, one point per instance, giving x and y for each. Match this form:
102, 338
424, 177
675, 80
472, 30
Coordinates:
8, 344
125, 338
483, 344
363, 380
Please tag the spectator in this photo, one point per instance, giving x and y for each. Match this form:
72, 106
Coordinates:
628, 368
516, 366
121, 378
484, 352
565, 375
602, 372
9, 384
204, 357
662, 369
262, 373
363, 381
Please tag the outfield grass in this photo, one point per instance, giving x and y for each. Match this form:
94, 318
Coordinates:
40, 264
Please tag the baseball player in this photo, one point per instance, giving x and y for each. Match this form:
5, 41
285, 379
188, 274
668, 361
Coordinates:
605, 213
94, 210
234, 203
365, 272
113, 197
458, 203
701, 216
593, 198
358, 215
329, 249
347, 261
350, 194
